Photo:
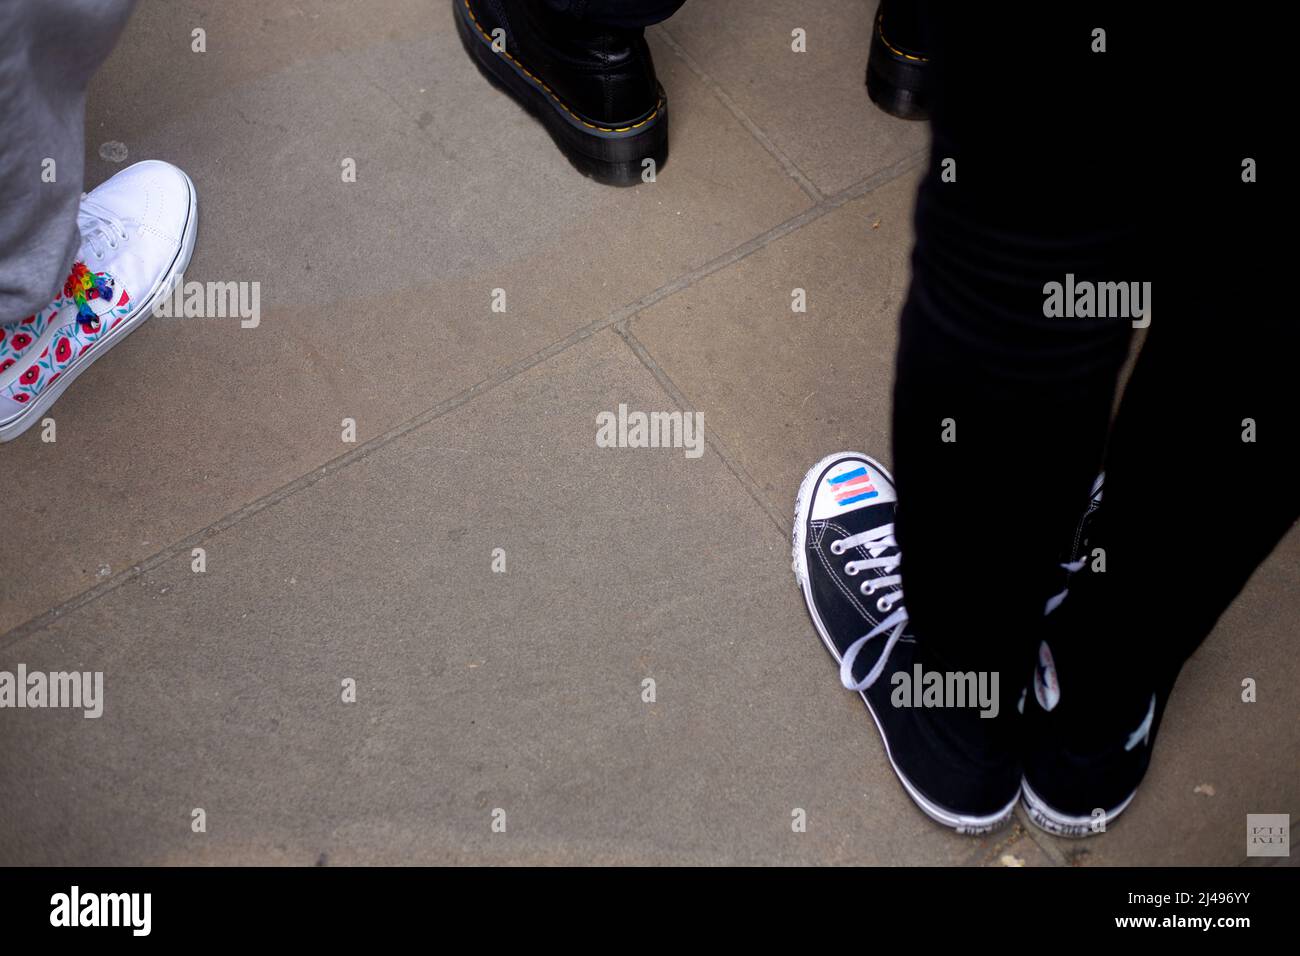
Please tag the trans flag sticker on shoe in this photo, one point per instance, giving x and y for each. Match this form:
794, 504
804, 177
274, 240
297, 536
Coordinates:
849, 486
852, 487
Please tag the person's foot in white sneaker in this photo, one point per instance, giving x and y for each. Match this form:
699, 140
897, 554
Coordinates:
137, 235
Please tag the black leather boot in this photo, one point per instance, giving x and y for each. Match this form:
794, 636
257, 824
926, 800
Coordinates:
592, 87
898, 69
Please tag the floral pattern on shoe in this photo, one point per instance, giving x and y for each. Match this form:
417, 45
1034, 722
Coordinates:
17, 338
79, 332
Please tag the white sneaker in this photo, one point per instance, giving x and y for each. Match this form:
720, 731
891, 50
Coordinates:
137, 236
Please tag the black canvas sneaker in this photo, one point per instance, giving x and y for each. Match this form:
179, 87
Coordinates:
1081, 773
1085, 749
592, 87
959, 768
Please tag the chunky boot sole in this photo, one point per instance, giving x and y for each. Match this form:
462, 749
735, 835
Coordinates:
613, 155
897, 82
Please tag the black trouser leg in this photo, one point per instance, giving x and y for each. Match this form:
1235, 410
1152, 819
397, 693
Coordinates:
1200, 481
1096, 165
1001, 411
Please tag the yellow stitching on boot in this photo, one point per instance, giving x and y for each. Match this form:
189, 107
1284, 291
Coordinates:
559, 102
892, 49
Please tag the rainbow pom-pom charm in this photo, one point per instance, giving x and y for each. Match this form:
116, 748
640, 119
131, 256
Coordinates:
84, 285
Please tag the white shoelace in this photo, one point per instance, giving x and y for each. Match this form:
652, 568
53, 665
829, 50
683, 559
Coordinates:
99, 225
877, 541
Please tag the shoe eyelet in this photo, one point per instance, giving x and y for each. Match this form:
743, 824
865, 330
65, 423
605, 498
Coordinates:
882, 607
868, 588
837, 547
851, 569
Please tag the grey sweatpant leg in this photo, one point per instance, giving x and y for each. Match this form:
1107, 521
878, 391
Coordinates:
49, 49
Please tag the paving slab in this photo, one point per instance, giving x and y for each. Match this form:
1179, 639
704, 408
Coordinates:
476, 690
375, 296
783, 388
812, 105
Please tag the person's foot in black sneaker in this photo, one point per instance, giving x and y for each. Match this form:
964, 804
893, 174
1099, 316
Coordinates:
1083, 764
592, 87
1085, 749
958, 766
898, 70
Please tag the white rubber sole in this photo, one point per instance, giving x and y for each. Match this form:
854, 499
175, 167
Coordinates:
961, 822
1050, 820
31, 414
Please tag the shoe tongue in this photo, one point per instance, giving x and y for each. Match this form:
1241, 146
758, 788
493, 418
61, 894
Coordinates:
851, 486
